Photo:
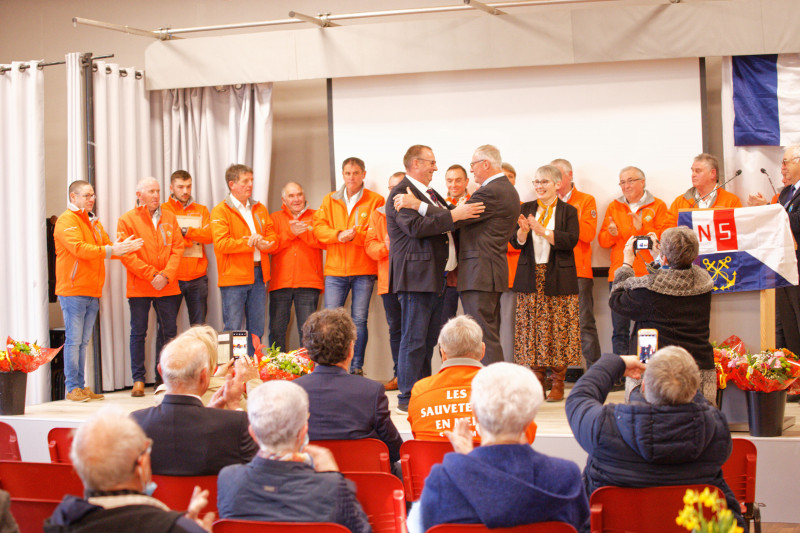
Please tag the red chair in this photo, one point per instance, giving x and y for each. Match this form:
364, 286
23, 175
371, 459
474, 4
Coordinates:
382, 498
176, 491
417, 457
9, 445
740, 474
644, 510
541, 527
247, 526
59, 443
46, 481
358, 455
30, 514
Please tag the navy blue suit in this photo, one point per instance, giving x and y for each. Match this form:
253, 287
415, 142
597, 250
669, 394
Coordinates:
787, 299
190, 439
346, 406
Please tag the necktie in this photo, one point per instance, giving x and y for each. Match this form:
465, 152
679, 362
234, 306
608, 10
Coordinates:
433, 198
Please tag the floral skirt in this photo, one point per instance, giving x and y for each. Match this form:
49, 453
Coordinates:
547, 328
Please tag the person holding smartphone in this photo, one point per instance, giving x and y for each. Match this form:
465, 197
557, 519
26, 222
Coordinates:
674, 300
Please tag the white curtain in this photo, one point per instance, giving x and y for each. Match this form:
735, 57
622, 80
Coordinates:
76, 147
204, 130
23, 267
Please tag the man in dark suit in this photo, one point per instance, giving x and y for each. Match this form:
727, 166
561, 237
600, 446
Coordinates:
342, 405
190, 439
483, 243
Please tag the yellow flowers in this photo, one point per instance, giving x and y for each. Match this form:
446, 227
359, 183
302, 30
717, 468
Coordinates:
699, 505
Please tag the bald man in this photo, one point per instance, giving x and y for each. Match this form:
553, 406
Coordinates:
152, 274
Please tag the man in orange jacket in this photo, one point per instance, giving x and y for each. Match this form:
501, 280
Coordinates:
82, 246
705, 178
296, 266
341, 224
243, 236
456, 180
152, 274
587, 219
195, 224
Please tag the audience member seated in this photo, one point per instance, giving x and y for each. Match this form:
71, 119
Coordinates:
287, 481
667, 435
188, 438
343, 405
111, 454
439, 400
504, 482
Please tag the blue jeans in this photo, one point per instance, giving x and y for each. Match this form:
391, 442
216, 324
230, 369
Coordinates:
391, 306
336, 290
305, 300
195, 292
166, 308
80, 313
450, 304
421, 322
621, 335
248, 304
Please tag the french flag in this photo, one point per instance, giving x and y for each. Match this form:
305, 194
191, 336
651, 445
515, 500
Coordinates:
765, 99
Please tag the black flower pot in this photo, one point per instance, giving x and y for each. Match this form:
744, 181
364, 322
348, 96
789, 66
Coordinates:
765, 413
12, 392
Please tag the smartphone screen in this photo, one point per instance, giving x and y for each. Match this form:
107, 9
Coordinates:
239, 343
647, 343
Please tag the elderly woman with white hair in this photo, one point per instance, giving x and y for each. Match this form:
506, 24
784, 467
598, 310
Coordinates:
675, 300
288, 480
111, 454
504, 482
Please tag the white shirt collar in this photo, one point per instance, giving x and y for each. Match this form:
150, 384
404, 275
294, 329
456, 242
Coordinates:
492, 178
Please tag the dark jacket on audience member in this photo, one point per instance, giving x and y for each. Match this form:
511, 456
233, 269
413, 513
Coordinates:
643, 445
287, 491
345, 406
190, 439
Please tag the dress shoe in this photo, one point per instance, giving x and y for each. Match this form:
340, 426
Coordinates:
392, 385
358, 372
91, 395
138, 389
77, 395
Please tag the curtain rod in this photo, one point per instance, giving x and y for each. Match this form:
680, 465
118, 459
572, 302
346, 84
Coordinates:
325, 19
26, 66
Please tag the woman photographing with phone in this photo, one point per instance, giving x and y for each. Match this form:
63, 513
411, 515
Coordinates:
547, 332
675, 300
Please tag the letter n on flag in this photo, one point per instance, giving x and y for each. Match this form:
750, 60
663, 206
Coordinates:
745, 249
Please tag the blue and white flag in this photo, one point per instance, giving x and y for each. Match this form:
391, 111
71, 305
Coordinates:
744, 249
765, 100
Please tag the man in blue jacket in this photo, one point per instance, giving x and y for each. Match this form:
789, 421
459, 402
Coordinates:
667, 435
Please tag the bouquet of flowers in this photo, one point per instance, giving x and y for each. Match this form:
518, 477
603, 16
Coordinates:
274, 364
24, 356
723, 353
699, 505
767, 371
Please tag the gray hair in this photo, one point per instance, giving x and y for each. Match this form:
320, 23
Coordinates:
505, 399
680, 246
183, 359
208, 336
635, 169
709, 160
551, 172
491, 154
794, 149
461, 336
277, 411
105, 448
142, 183
283, 191
562, 163
672, 377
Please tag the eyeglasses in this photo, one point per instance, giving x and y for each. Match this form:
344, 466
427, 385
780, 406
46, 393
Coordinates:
89, 196
541, 183
629, 182
785, 162
431, 161
472, 164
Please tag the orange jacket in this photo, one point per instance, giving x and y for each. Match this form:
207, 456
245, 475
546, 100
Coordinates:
161, 252
82, 246
512, 256
587, 217
438, 400
346, 258
297, 261
192, 267
724, 199
375, 246
655, 218
230, 231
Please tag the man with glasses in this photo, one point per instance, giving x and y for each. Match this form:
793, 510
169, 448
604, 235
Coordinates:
82, 246
705, 178
636, 212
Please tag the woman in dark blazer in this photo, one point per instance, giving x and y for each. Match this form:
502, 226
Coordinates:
547, 325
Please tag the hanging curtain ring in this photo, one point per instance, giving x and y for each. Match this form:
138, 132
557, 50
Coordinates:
123, 73
139, 74
108, 70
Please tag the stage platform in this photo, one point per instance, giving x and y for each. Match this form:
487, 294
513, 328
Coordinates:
778, 457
